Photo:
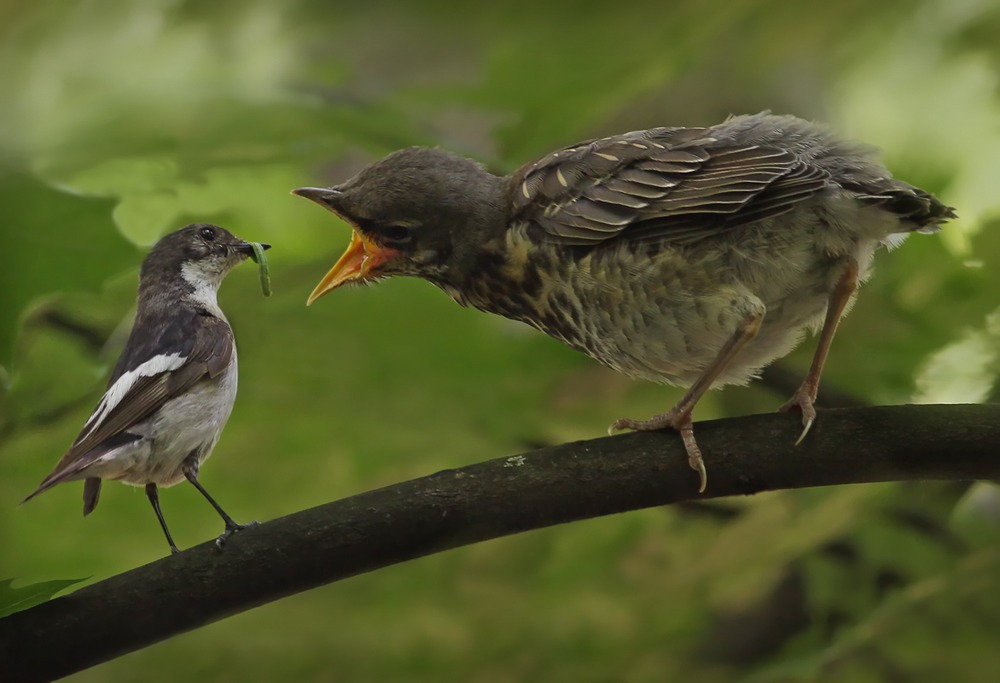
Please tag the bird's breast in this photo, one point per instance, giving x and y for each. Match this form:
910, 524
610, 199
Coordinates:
662, 313
187, 424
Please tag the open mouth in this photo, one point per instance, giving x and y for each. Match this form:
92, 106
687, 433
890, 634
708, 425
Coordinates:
363, 258
359, 263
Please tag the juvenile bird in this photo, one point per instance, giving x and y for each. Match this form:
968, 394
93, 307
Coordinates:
173, 388
689, 256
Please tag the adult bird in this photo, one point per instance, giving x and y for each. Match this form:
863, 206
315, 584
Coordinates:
689, 256
174, 385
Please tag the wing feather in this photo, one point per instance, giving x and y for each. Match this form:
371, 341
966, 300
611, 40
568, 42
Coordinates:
674, 184
210, 352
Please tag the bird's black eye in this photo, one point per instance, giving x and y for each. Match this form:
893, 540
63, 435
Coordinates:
396, 233
208, 234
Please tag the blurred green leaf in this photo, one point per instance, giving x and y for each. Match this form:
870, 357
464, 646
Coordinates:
965, 370
976, 517
18, 599
143, 217
126, 176
52, 242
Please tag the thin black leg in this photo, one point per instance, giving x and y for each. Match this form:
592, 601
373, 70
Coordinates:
154, 498
191, 472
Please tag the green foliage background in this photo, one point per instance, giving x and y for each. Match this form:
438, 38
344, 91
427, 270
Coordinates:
122, 120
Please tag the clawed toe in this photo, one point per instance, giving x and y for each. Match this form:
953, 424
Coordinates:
230, 530
803, 402
679, 421
807, 424
668, 420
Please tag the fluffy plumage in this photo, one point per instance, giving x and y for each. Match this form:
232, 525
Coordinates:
690, 256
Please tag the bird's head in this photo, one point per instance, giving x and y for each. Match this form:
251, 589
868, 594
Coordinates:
200, 253
419, 212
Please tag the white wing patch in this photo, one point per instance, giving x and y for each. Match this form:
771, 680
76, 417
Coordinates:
120, 389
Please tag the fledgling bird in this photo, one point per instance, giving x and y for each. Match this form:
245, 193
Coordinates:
688, 256
173, 388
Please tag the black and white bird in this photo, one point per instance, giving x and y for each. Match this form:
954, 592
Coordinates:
173, 388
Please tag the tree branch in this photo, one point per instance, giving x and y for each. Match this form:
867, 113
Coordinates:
483, 501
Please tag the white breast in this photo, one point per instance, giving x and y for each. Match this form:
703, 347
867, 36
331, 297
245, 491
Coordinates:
191, 423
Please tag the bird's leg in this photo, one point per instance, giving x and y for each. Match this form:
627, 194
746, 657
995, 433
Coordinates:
190, 469
154, 498
679, 417
804, 398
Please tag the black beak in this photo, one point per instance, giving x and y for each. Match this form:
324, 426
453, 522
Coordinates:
246, 248
321, 195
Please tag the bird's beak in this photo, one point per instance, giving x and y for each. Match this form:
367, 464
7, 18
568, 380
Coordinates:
359, 262
362, 258
325, 196
247, 248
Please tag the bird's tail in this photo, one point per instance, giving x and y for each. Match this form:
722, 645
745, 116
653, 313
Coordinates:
91, 494
918, 210
91, 488
54, 477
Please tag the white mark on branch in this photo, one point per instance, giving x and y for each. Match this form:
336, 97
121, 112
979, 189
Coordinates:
515, 461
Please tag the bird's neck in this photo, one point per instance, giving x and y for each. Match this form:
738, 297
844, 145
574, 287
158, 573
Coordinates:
519, 279
204, 289
192, 290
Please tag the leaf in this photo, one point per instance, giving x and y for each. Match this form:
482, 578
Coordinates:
144, 216
19, 599
965, 370
126, 175
52, 242
976, 517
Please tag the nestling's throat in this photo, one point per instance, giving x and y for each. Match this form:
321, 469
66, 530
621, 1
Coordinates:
527, 282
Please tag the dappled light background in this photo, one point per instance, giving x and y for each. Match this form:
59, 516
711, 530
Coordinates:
120, 121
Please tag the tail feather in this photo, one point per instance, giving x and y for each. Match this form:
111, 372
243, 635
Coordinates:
91, 494
57, 477
918, 210
73, 466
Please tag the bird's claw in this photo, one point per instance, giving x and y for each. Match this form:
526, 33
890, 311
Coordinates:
678, 421
232, 529
803, 401
698, 465
807, 424
695, 461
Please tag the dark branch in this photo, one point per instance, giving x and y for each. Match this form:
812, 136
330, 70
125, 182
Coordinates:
495, 498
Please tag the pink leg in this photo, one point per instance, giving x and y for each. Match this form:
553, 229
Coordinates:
804, 398
679, 417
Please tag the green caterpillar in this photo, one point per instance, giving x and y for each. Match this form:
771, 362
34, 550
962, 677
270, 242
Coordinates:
261, 260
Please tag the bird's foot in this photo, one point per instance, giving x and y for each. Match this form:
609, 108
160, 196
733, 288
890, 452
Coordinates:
804, 401
232, 529
679, 421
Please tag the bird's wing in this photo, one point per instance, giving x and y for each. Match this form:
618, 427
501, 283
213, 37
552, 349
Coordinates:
674, 184
140, 391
